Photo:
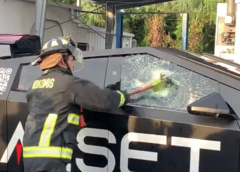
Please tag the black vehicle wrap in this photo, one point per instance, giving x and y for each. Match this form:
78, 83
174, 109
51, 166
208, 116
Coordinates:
147, 135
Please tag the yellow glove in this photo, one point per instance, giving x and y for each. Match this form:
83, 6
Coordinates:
158, 84
157, 81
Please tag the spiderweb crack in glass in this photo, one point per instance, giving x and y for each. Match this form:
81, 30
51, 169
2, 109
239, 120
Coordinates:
185, 88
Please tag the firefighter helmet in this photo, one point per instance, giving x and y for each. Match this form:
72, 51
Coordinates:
57, 45
60, 45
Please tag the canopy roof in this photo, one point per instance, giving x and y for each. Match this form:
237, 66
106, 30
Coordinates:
123, 4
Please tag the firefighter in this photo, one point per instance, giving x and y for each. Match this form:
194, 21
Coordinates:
54, 102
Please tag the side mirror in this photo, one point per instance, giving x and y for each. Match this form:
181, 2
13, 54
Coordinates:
212, 105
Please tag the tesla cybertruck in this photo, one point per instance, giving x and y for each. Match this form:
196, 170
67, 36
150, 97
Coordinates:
189, 126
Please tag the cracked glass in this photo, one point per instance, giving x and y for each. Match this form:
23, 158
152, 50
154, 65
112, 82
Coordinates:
185, 86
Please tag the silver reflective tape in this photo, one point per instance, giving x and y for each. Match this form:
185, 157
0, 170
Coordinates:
58, 152
73, 118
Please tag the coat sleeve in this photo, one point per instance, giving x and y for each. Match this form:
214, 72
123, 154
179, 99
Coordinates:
89, 96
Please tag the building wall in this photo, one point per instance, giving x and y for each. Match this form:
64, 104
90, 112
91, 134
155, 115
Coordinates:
220, 49
19, 17
96, 42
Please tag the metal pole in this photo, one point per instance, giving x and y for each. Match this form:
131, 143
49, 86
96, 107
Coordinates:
41, 6
110, 14
185, 26
119, 29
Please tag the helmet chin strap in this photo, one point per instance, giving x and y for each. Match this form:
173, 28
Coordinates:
65, 57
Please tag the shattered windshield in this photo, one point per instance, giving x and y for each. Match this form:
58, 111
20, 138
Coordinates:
185, 86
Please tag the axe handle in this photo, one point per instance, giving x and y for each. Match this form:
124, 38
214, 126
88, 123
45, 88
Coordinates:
140, 90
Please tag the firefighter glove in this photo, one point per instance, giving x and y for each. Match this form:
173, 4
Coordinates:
124, 98
115, 86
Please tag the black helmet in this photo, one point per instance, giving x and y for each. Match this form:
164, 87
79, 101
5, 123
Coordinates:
63, 45
57, 45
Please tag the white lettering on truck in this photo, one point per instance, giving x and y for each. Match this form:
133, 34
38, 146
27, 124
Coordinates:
17, 135
97, 150
194, 144
127, 153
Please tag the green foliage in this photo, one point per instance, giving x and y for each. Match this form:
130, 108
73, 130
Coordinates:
137, 25
201, 30
202, 22
93, 19
171, 24
178, 33
66, 1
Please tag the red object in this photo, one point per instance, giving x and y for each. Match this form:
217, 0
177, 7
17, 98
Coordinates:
13, 38
19, 151
82, 122
81, 119
237, 69
10, 39
140, 90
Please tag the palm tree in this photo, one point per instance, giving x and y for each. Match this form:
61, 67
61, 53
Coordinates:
202, 21
93, 19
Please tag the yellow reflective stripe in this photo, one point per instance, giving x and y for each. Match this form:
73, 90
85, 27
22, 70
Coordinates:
47, 152
73, 119
122, 99
48, 129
